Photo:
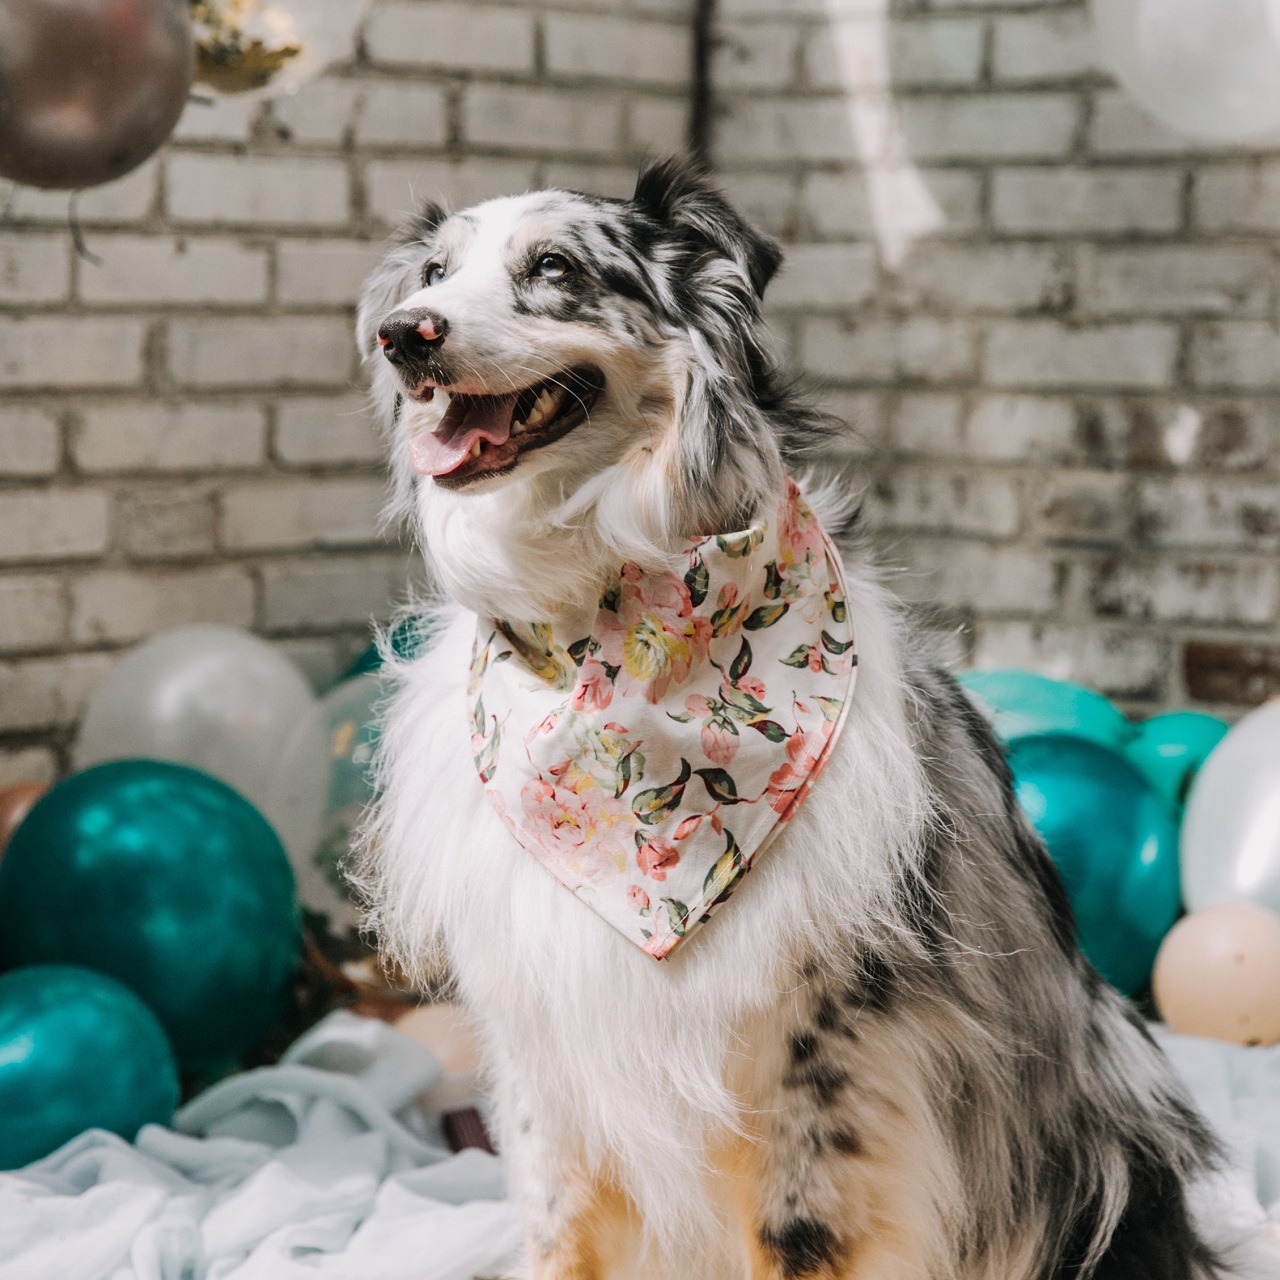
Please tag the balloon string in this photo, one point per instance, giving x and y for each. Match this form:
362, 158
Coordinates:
77, 232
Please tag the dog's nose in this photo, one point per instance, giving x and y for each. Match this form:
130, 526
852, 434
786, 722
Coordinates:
409, 337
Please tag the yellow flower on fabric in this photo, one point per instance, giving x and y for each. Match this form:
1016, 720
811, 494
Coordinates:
651, 652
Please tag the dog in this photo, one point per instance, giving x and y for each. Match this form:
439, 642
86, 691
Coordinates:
885, 1058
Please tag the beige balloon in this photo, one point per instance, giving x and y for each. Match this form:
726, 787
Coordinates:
1218, 974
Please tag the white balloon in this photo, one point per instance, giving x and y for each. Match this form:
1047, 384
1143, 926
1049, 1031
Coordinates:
319, 793
1230, 841
216, 698
1207, 68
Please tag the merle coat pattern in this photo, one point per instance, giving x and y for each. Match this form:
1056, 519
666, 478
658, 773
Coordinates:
886, 1058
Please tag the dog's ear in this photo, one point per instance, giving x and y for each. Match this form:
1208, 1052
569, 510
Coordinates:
395, 275
679, 194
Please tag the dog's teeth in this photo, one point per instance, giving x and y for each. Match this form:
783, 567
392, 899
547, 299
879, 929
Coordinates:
517, 428
475, 449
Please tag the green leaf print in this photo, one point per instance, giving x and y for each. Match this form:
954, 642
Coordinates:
765, 616
772, 581
742, 663
657, 802
771, 730
698, 581
798, 657
832, 645
677, 913
720, 785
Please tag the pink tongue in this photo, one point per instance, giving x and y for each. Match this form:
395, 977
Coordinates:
466, 420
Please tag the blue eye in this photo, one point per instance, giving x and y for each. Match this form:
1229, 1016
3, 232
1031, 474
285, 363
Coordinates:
433, 274
551, 266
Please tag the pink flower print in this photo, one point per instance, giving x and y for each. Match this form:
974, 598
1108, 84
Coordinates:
696, 704
687, 826
799, 533
593, 690
754, 686
719, 744
806, 750
638, 899
656, 857
660, 945
564, 824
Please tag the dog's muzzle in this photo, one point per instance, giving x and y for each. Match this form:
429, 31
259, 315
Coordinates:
411, 339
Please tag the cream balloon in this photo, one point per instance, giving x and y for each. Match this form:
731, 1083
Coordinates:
216, 698
1230, 840
1218, 975
1207, 68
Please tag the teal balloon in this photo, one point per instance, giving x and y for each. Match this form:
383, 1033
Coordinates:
168, 880
407, 639
1019, 704
1169, 750
77, 1051
1115, 843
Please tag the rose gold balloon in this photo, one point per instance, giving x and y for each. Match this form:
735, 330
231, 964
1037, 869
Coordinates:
1218, 974
15, 803
89, 88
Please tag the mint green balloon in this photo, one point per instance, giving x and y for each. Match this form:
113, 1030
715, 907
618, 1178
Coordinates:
77, 1051
1115, 844
169, 881
1169, 750
1022, 703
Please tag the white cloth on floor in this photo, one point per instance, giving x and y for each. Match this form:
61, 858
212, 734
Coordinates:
321, 1168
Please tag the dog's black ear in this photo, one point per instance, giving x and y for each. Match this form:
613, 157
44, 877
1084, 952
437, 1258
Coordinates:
679, 194
421, 223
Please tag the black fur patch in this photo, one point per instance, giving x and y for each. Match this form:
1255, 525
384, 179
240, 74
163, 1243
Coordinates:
802, 1247
874, 986
822, 1079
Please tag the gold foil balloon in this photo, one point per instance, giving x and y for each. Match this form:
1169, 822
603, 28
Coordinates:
271, 47
1218, 975
89, 88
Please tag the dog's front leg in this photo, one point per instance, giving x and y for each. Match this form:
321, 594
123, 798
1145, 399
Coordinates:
578, 1225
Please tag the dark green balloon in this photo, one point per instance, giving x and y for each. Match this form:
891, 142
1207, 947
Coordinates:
170, 881
77, 1051
1115, 843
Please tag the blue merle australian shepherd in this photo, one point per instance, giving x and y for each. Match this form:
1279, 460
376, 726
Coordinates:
886, 1058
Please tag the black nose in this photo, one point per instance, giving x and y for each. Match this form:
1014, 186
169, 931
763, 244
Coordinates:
409, 337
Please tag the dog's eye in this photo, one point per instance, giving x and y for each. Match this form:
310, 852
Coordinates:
433, 274
551, 266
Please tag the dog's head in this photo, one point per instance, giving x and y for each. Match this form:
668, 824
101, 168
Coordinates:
556, 362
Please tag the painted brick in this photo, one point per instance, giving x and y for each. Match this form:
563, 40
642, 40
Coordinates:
403, 114
257, 190
1022, 429
1210, 513
217, 118
27, 764
767, 200
270, 515
323, 431
817, 276
1122, 128
126, 200
30, 443
757, 55
873, 53
973, 575
541, 119
1234, 673
1044, 46
313, 595
68, 351
918, 347
166, 523
1238, 197
1230, 354
861, 415
1244, 593
151, 437
323, 111
773, 130
34, 268
114, 607
1006, 277
1225, 435
937, 500
396, 188
1186, 280
1044, 353
1108, 201
260, 352
323, 272
839, 204
618, 181
1029, 126
618, 48
185, 270
1121, 663
49, 693
453, 37
658, 125
52, 524
928, 425
33, 613
1080, 507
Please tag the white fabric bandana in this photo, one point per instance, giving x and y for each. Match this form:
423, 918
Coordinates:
645, 757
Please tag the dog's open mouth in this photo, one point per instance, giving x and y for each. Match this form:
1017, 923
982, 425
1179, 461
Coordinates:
485, 435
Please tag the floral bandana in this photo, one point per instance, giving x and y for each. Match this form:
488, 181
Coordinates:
647, 756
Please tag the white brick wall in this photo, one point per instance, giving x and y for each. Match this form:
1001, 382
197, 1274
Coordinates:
183, 435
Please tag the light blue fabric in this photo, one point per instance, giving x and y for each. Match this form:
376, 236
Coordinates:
323, 1166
